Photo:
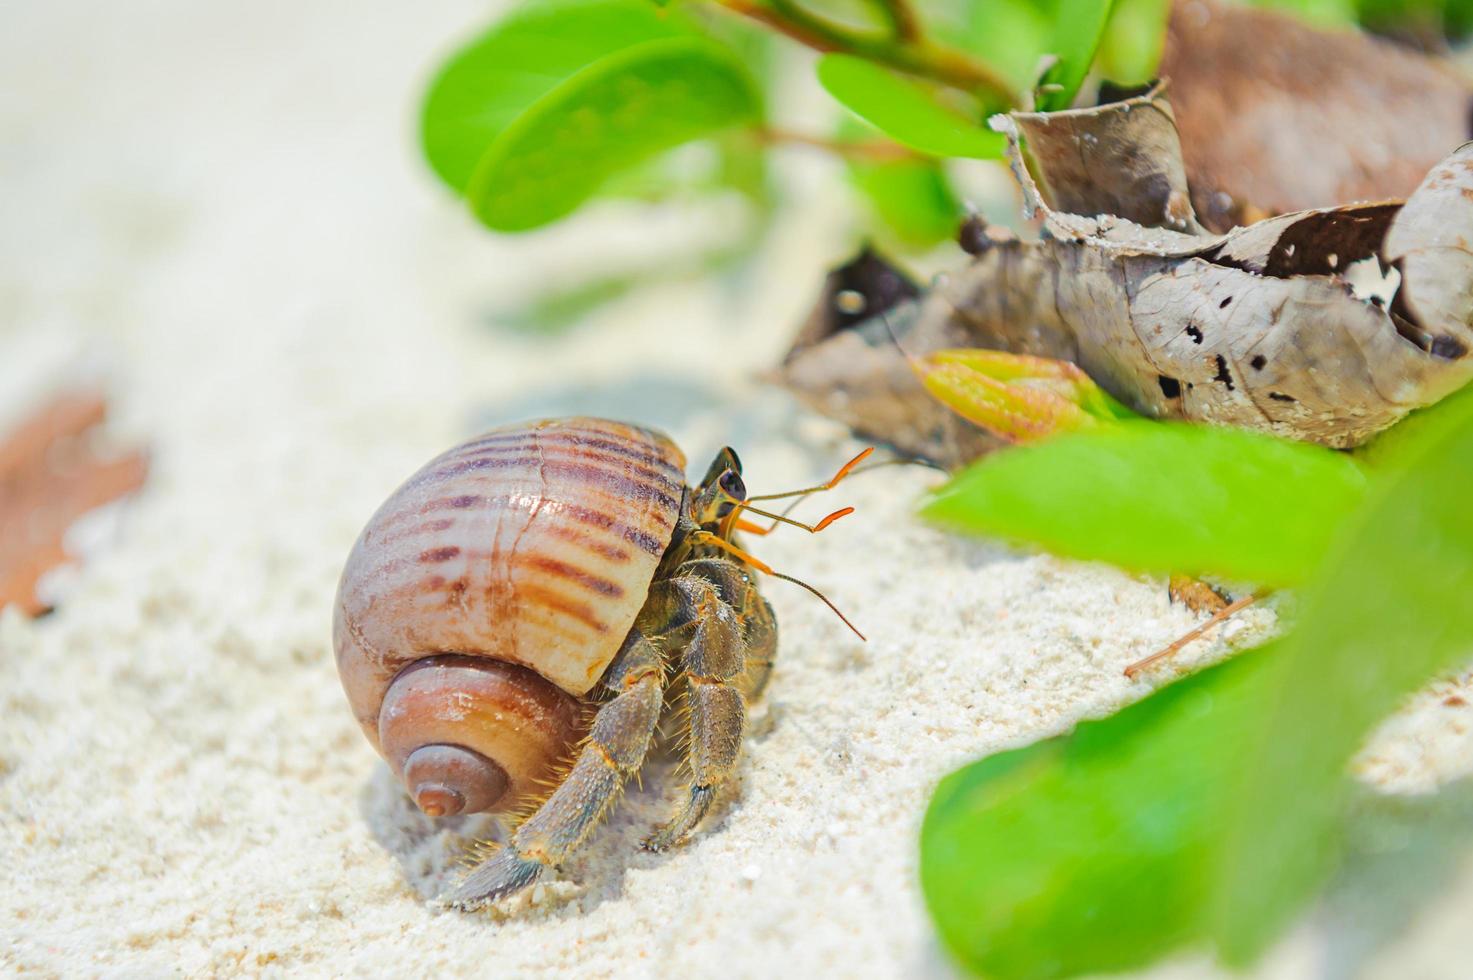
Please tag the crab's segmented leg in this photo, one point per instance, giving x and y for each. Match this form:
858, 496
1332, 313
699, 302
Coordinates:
760, 635
714, 660
759, 625
614, 750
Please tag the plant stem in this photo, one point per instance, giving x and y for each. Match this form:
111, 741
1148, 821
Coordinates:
914, 55
902, 18
1242, 602
877, 150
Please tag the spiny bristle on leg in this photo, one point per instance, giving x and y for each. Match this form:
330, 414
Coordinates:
477, 854
506, 873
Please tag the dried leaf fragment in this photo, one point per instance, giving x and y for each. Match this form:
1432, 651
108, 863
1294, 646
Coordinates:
50, 476
1259, 328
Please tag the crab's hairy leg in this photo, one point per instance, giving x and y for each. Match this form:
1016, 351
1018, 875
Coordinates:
759, 632
738, 589
614, 749
713, 662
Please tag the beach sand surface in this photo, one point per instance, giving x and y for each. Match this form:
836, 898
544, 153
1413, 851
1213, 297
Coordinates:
218, 210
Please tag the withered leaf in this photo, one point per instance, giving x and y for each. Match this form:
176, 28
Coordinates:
50, 476
1258, 328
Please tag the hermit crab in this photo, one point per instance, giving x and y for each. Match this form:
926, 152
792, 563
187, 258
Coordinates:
513, 622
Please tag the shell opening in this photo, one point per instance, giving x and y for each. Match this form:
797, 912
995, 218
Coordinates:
469, 734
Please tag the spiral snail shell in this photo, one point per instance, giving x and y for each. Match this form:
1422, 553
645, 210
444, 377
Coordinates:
488, 595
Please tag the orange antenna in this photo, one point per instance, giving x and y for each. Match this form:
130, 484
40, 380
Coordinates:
733, 520
844, 471
767, 569
777, 519
757, 529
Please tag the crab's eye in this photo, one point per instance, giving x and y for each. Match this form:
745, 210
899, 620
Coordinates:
731, 483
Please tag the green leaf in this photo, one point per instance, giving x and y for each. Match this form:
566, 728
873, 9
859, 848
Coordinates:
1408, 438
617, 112
486, 85
1015, 35
1077, 28
905, 110
1166, 497
1390, 609
1087, 853
1212, 810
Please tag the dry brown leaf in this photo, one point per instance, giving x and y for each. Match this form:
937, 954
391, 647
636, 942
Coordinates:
50, 476
1124, 163
1282, 116
1258, 328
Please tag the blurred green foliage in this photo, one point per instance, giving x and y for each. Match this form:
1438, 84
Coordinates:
905, 110
562, 101
1163, 497
1209, 813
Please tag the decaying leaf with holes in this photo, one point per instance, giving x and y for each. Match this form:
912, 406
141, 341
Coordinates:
1284, 326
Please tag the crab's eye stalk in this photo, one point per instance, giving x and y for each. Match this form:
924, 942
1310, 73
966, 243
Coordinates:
732, 485
725, 460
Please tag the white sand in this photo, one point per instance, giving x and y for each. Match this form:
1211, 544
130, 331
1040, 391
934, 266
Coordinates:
221, 204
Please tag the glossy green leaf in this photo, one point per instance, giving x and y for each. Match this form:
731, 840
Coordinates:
1408, 438
905, 110
1089, 853
1213, 810
486, 85
619, 111
1077, 28
1390, 609
1167, 497
1015, 36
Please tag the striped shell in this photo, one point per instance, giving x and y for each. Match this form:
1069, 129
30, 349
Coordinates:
490, 592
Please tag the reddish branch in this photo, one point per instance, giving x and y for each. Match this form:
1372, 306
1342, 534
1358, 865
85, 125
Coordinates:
906, 50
